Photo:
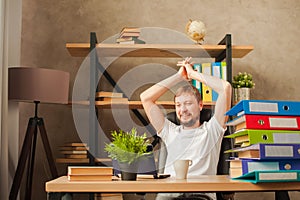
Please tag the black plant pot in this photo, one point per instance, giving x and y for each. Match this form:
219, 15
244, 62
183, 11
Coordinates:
128, 176
128, 171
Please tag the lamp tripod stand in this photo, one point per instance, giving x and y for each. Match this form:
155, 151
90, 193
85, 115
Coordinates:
28, 155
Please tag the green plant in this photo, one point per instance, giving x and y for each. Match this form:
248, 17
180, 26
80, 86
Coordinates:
243, 80
127, 146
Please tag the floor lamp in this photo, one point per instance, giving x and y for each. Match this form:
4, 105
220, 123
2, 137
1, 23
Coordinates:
35, 85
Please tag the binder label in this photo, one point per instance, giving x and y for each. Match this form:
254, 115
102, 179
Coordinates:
286, 138
279, 151
283, 122
278, 176
252, 166
263, 107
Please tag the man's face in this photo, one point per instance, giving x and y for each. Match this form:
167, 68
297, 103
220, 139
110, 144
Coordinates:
188, 110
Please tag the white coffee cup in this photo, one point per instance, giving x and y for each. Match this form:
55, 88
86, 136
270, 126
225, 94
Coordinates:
181, 168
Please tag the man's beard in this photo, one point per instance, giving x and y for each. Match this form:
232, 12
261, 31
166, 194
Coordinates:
189, 123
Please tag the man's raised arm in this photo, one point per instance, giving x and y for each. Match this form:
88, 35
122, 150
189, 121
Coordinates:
151, 95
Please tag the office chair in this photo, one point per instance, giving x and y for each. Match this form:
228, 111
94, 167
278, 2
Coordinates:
223, 165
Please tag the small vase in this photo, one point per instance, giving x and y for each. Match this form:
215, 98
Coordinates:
242, 94
128, 171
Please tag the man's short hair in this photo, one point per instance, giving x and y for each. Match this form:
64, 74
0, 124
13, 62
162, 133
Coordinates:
190, 90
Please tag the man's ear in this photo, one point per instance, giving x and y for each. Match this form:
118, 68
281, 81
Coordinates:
201, 105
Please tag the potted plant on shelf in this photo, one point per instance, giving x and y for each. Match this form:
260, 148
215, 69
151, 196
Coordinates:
127, 148
242, 83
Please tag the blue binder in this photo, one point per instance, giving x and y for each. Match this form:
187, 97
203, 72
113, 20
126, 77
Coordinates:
271, 151
249, 165
271, 176
265, 107
216, 71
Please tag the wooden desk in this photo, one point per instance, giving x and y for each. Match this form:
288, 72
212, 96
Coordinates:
201, 184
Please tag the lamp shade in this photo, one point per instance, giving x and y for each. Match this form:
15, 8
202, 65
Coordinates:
30, 84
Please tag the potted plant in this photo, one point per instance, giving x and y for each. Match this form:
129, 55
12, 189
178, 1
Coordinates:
242, 83
127, 148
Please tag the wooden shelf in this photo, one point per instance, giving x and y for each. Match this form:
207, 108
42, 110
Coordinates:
157, 50
132, 104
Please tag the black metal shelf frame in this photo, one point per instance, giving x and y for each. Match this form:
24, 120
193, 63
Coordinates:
96, 67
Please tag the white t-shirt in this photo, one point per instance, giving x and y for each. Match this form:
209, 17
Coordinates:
201, 145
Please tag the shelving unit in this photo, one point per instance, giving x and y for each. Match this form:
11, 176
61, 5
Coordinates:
222, 51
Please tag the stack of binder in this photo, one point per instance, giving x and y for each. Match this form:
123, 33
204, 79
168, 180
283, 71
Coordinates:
267, 141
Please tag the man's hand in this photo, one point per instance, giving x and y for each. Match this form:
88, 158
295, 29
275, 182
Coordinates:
186, 68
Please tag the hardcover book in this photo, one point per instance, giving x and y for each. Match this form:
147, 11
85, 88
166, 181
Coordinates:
89, 170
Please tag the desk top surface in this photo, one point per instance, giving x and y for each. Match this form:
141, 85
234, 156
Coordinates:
204, 183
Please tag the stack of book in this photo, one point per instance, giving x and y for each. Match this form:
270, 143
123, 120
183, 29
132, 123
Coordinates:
267, 141
130, 35
113, 97
75, 152
90, 173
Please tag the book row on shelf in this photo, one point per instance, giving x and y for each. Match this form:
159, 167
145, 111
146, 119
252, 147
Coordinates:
217, 69
75, 152
266, 139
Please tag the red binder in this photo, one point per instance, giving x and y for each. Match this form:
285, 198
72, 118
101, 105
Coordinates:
266, 122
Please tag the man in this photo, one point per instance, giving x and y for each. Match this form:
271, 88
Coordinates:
191, 140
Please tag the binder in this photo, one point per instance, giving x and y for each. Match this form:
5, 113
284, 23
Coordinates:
265, 122
195, 83
243, 166
216, 71
271, 176
265, 107
206, 91
246, 137
224, 70
268, 151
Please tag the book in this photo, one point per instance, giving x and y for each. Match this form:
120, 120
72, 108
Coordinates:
75, 155
134, 40
271, 176
246, 137
273, 122
265, 107
109, 94
89, 177
206, 91
70, 148
114, 99
130, 30
195, 83
89, 170
216, 72
75, 144
72, 160
239, 167
129, 34
224, 70
268, 151
74, 152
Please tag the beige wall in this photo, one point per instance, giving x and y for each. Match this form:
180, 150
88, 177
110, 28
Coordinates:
271, 26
